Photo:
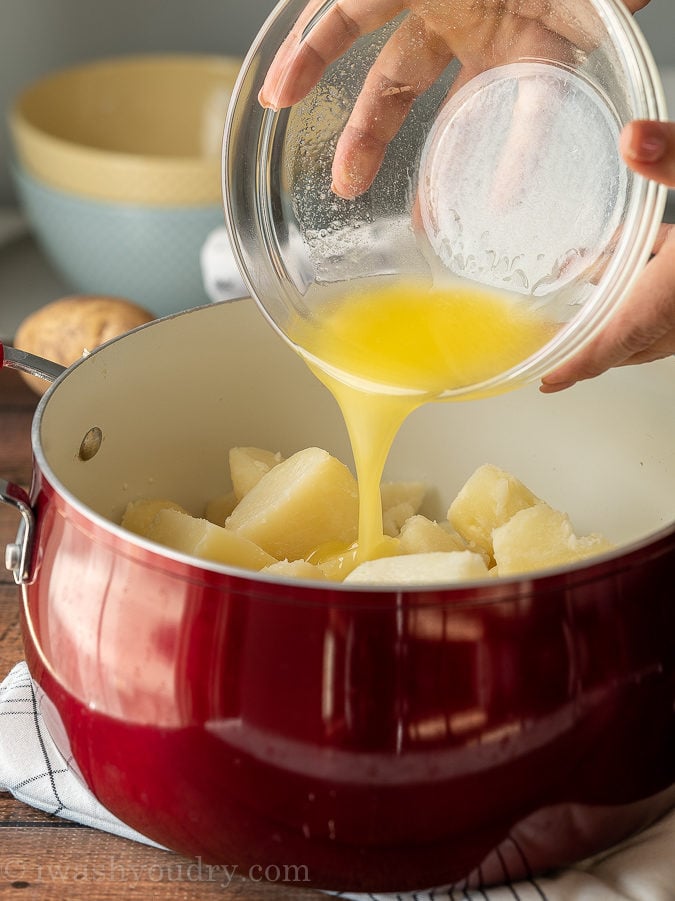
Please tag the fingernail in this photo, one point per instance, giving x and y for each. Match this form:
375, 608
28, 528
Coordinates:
652, 149
548, 386
266, 102
343, 191
647, 147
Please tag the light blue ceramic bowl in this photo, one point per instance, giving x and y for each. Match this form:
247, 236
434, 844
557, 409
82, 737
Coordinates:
150, 255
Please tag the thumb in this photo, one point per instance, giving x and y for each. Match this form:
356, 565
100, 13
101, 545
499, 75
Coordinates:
648, 147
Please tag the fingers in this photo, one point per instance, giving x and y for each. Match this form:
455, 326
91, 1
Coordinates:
635, 5
534, 110
394, 82
649, 149
300, 63
642, 330
410, 62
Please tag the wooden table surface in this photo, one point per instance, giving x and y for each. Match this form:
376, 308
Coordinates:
43, 857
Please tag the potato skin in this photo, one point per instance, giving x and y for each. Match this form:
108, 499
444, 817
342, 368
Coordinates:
63, 330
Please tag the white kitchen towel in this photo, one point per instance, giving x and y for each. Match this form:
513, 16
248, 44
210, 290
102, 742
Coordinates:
220, 272
33, 770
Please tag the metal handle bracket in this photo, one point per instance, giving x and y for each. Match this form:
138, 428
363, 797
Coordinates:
18, 554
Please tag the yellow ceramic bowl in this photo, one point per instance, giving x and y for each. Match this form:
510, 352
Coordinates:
137, 129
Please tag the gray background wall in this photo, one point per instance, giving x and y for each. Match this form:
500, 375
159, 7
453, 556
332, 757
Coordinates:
657, 21
37, 36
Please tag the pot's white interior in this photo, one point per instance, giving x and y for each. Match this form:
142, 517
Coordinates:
173, 397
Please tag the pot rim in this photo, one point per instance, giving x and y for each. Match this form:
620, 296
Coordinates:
469, 593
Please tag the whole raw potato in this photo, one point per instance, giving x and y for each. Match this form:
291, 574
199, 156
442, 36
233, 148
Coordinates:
62, 331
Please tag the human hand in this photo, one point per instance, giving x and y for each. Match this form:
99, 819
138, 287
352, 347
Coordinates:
478, 36
433, 33
643, 329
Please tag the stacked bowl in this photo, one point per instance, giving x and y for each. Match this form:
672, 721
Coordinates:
118, 172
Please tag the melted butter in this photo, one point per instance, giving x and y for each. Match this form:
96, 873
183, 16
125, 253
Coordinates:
384, 351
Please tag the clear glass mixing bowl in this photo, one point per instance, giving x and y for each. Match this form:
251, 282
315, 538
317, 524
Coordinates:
505, 172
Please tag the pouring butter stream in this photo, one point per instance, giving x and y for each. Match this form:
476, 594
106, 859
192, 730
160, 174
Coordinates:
385, 350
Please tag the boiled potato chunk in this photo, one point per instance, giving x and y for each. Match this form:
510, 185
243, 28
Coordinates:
420, 569
139, 514
301, 503
400, 501
219, 508
420, 535
539, 537
295, 569
248, 465
203, 539
488, 499
297, 518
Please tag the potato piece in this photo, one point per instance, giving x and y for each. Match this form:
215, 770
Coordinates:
539, 537
307, 500
248, 465
420, 535
488, 499
62, 331
203, 539
139, 514
400, 501
219, 508
420, 569
295, 569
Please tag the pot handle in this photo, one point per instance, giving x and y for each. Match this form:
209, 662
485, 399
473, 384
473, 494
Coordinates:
18, 554
29, 363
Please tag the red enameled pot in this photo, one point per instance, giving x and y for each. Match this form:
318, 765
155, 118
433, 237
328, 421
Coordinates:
370, 739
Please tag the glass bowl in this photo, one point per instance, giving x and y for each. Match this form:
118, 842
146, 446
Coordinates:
504, 177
